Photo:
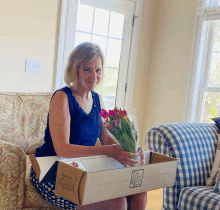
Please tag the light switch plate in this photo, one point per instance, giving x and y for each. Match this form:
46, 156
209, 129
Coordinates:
33, 66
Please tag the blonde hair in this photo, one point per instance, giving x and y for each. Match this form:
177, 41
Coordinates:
81, 55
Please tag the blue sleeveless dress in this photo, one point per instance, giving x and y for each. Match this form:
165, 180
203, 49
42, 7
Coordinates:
84, 130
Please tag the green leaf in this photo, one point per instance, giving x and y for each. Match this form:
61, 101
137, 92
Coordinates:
125, 125
111, 123
128, 129
212, 112
127, 143
111, 117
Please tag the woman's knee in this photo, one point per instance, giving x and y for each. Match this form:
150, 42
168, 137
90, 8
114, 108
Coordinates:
120, 203
144, 194
139, 198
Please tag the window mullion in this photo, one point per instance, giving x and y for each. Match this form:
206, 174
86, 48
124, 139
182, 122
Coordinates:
208, 54
200, 106
206, 70
211, 89
93, 18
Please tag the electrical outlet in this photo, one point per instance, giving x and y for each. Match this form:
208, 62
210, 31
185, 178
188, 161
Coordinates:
33, 66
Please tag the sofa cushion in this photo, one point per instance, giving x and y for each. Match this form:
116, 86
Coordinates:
199, 198
23, 118
32, 197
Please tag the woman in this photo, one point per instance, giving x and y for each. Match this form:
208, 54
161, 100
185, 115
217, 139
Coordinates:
73, 125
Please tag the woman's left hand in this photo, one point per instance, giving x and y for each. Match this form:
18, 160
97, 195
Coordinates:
141, 150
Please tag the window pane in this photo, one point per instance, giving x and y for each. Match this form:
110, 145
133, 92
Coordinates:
214, 78
101, 20
108, 89
211, 106
81, 37
101, 41
84, 18
113, 53
110, 81
116, 25
217, 37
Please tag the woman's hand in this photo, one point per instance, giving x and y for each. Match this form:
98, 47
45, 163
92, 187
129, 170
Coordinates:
141, 150
117, 152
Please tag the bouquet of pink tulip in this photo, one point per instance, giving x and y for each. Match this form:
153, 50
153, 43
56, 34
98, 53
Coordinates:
121, 127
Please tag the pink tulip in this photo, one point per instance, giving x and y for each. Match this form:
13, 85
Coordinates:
112, 113
122, 113
104, 113
116, 109
115, 123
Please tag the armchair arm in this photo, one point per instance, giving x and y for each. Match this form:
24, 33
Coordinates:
194, 144
12, 176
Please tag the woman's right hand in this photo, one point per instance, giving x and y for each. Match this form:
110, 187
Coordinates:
118, 153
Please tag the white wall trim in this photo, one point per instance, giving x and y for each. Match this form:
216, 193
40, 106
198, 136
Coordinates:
62, 35
66, 45
133, 55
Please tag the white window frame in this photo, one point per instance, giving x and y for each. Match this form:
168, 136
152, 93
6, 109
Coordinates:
64, 50
201, 63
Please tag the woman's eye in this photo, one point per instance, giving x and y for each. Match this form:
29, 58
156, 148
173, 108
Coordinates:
87, 70
98, 70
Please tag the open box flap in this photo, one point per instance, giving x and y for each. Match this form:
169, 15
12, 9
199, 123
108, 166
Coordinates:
51, 174
35, 165
68, 181
82, 188
158, 158
45, 167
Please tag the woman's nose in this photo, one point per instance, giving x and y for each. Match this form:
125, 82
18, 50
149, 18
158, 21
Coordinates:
93, 75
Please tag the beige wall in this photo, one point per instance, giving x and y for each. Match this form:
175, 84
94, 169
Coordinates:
28, 31
163, 62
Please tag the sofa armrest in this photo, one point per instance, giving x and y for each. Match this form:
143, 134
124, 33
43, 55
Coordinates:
191, 143
194, 145
12, 176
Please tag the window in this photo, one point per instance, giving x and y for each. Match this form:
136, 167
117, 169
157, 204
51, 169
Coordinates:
104, 28
203, 101
211, 91
108, 23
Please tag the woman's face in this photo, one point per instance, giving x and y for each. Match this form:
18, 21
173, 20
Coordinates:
89, 76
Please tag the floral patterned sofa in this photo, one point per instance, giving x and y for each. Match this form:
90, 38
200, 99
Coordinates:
22, 125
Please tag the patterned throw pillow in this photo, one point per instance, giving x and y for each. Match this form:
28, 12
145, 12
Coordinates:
217, 121
215, 168
217, 183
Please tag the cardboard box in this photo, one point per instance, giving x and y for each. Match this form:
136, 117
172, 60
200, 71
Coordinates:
92, 179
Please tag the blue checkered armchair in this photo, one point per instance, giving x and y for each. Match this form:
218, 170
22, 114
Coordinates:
194, 145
